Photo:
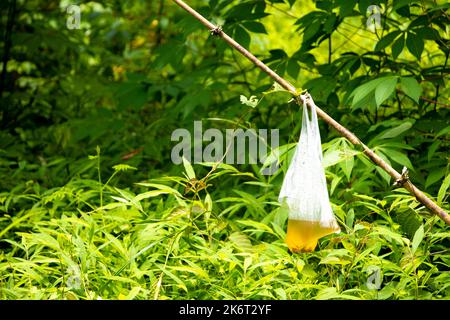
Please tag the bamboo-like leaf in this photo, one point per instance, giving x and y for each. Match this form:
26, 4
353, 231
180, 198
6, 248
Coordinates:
418, 237
188, 168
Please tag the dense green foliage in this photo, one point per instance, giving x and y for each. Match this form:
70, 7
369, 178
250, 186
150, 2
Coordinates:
91, 205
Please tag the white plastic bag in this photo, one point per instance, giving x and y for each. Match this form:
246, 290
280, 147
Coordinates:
304, 191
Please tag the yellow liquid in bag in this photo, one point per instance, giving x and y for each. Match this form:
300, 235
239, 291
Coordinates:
302, 236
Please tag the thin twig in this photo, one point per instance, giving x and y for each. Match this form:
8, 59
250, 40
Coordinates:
420, 196
428, 100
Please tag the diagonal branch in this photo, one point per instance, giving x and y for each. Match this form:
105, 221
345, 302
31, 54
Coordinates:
420, 196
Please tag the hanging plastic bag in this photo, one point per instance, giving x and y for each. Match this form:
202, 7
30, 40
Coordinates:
304, 191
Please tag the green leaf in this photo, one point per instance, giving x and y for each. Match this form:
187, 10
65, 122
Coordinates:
444, 131
347, 166
151, 194
321, 88
415, 45
241, 241
434, 177
188, 168
396, 131
257, 226
330, 23
387, 40
364, 90
350, 218
443, 189
242, 36
401, 3
428, 33
432, 149
331, 157
334, 184
345, 7
398, 157
409, 221
311, 30
293, 68
385, 89
411, 88
398, 46
383, 173
174, 277
276, 87
418, 237
256, 27
334, 260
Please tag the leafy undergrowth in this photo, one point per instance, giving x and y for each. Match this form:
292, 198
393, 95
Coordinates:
183, 238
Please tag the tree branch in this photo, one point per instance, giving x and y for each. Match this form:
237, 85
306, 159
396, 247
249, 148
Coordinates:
420, 196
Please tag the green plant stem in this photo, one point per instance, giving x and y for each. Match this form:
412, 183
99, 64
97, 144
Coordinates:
99, 177
330, 52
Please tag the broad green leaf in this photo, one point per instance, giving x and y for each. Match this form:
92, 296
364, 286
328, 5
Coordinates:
276, 87
321, 88
241, 241
428, 33
350, 218
311, 30
415, 45
383, 173
432, 149
409, 221
401, 3
330, 23
443, 189
434, 176
385, 89
398, 46
254, 26
398, 157
242, 36
443, 132
411, 88
334, 184
387, 40
397, 145
330, 158
396, 131
293, 68
418, 237
347, 165
364, 90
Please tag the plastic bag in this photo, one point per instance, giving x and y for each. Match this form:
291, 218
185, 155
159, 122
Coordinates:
304, 191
